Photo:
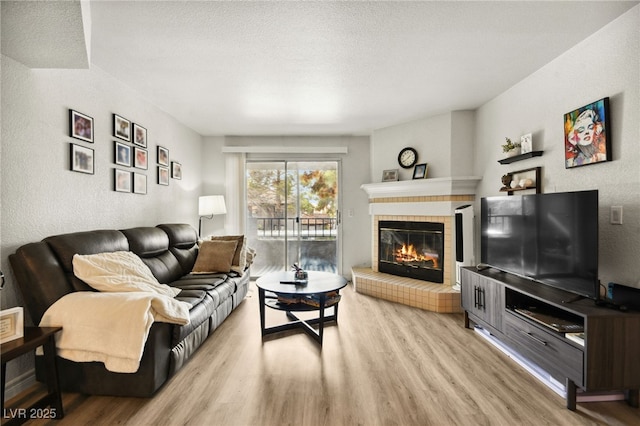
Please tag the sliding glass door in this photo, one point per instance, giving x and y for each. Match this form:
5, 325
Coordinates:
292, 215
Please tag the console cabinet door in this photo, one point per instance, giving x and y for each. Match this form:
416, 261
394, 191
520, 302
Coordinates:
482, 298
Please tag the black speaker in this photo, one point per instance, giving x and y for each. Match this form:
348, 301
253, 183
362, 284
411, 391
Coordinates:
623, 296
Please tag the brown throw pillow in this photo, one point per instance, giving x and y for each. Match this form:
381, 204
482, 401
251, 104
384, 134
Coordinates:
239, 248
215, 256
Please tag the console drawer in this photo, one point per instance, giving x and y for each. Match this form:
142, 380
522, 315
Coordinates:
546, 349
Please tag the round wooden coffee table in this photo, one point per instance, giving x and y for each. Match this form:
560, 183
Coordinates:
322, 291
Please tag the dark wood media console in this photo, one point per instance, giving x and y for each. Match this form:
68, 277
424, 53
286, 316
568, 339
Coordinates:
608, 360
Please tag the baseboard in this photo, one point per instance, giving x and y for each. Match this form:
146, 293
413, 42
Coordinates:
544, 377
20, 384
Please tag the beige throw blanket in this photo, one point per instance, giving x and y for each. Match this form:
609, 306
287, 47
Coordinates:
110, 327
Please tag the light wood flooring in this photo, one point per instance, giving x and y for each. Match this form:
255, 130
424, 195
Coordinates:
384, 364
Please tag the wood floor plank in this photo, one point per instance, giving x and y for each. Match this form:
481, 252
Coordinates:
382, 364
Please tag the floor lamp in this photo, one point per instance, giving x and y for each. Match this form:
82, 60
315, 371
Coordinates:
208, 206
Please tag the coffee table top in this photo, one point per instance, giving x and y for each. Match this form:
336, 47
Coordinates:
318, 282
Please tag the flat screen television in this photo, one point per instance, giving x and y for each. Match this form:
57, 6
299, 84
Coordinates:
549, 238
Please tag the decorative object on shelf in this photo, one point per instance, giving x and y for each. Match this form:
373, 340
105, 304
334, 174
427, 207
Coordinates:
420, 171
390, 175
121, 180
587, 135
526, 143
163, 175
163, 156
511, 149
139, 183
176, 170
122, 154
82, 159
140, 158
506, 180
208, 206
121, 128
407, 158
139, 135
11, 324
80, 126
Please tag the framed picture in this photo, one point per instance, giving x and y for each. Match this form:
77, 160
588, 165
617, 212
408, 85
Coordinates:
121, 180
11, 325
121, 128
587, 135
176, 170
526, 143
82, 159
81, 126
390, 175
163, 156
122, 154
139, 183
139, 135
420, 171
140, 158
163, 175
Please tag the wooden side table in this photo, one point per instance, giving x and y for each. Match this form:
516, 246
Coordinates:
49, 406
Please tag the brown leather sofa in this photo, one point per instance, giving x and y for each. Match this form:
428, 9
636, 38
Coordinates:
44, 273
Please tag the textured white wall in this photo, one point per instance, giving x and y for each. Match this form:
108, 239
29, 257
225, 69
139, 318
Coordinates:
605, 64
42, 197
356, 238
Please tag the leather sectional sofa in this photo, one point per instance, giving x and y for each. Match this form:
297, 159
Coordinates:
44, 273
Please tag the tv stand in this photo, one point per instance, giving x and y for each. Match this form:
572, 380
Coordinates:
578, 343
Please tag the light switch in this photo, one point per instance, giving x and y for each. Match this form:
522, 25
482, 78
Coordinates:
616, 215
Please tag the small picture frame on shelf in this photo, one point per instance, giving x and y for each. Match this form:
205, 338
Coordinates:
121, 180
139, 135
163, 156
526, 143
81, 126
121, 128
420, 171
139, 183
11, 325
140, 158
122, 154
390, 175
176, 170
82, 159
163, 175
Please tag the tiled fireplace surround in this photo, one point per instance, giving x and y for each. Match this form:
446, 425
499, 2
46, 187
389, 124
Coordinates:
429, 200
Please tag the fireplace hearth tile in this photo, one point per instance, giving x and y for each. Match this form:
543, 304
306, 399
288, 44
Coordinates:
407, 291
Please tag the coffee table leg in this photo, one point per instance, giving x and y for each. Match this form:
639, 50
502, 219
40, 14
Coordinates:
323, 299
262, 308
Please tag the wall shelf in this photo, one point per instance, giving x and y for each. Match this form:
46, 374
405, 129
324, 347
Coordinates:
536, 175
520, 157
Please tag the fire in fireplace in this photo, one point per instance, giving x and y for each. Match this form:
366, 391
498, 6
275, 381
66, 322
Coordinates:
411, 249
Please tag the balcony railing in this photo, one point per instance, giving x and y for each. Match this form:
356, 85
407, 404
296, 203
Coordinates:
303, 227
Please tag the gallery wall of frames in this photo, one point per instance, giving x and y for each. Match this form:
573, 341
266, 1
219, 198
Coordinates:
130, 153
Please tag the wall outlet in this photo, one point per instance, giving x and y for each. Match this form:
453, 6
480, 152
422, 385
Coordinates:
616, 215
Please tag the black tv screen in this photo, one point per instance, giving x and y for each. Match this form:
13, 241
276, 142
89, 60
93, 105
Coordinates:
550, 238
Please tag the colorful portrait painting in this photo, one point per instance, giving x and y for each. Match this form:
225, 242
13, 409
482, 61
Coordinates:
587, 135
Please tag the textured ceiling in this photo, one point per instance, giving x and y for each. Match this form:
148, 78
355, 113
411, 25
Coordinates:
317, 68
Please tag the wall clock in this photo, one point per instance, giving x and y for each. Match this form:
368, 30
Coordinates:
407, 158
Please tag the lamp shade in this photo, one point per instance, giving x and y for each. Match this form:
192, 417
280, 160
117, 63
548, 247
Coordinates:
211, 204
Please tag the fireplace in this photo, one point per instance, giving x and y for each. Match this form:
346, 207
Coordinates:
411, 249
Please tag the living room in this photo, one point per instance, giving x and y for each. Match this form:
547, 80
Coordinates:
42, 197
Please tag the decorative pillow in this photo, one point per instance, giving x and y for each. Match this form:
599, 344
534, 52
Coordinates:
118, 271
215, 256
239, 257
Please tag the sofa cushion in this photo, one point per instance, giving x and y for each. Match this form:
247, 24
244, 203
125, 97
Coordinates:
117, 272
239, 257
215, 256
182, 244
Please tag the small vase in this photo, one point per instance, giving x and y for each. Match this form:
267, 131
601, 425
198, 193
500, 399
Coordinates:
513, 152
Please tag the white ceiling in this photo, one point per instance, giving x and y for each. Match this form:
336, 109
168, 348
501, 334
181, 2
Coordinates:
318, 68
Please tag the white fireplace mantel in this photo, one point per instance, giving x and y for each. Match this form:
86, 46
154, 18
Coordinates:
461, 185
464, 185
